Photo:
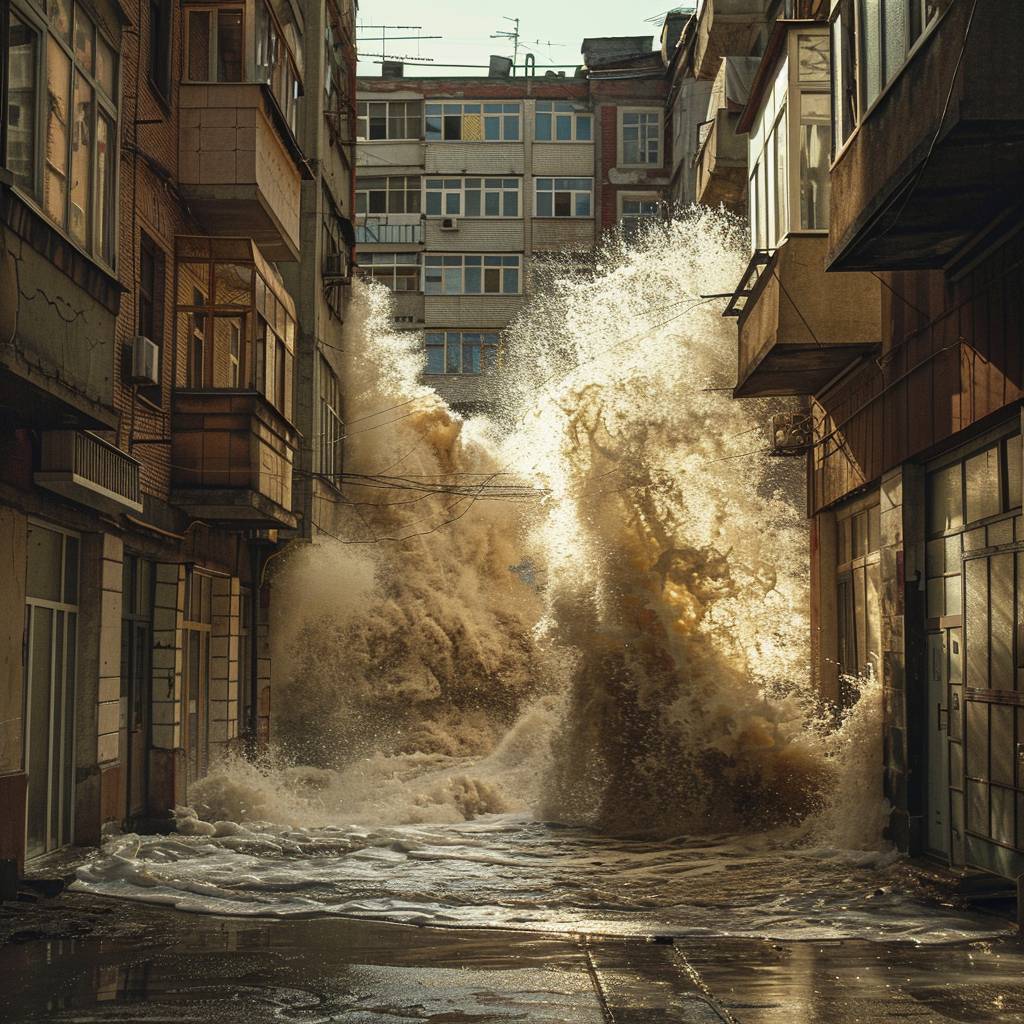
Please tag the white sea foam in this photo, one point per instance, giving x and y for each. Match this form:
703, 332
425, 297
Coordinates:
617, 643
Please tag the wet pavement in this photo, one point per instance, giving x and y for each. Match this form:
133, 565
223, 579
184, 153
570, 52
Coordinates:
80, 958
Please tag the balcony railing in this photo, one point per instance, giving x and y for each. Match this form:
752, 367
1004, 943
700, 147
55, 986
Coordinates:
232, 454
90, 471
375, 231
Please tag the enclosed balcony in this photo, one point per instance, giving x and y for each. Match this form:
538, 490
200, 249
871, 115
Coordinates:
239, 165
721, 159
233, 442
399, 229
724, 28
930, 136
798, 326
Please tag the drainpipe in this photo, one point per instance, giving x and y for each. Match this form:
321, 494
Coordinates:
253, 682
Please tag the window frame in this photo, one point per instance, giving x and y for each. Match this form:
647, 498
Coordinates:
363, 119
100, 243
554, 191
447, 110
411, 186
331, 425
853, 60
454, 185
641, 197
554, 109
214, 10
160, 46
443, 339
659, 113
374, 265
501, 262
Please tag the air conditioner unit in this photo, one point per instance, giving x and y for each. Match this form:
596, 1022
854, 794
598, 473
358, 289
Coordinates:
449, 223
334, 268
144, 361
791, 433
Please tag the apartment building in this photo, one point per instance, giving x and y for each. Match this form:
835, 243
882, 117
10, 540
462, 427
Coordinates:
157, 212
884, 288
467, 184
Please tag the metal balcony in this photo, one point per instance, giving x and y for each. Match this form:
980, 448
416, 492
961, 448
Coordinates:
89, 471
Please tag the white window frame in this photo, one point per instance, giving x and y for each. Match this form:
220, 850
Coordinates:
329, 463
453, 343
641, 197
573, 192
629, 111
557, 110
449, 266
363, 120
509, 112
410, 186
371, 262
458, 189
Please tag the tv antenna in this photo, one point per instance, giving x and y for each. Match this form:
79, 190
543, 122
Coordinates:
384, 38
513, 35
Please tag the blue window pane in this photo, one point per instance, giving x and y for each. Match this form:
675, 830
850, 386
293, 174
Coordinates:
543, 129
433, 127
583, 126
471, 355
435, 338
563, 128
473, 203
492, 129
432, 282
453, 355
492, 204
452, 201
473, 261
452, 261
472, 280
511, 204
488, 359
510, 261
544, 206
511, 127
435, 359
510, 281
452, 280
433, 204
471, 108
582, 204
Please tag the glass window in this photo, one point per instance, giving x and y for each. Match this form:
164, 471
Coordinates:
638, 211
399, 271
982, 478
564, 197
160, 41
812, 58
561, 121
216, 43
472, 122
396, 194
871, 50
471, 275
22, 111
464, 352
641, 137
815, 147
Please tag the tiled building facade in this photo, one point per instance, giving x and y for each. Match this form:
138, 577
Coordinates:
175, 237
465, 184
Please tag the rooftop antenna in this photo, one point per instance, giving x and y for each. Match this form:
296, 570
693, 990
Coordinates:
513, 35
384, 38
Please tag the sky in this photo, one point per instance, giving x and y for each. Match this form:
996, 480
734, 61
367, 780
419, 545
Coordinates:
466, 27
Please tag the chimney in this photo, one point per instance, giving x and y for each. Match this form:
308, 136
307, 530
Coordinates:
392, 69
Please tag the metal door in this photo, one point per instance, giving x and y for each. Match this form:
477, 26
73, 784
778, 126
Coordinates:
938, 744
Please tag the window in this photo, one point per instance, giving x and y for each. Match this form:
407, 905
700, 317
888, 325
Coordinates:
278, 57
331, 427
562, 121
638, 210
871, 40
472, 197
858, 595
471, 275
815, 148
389, 119
160, 41
215, 42
236, 319
564, 197
150, 297
398, 194
399, 271
337, 90
461, 351
472, 122
69, 62
640, 138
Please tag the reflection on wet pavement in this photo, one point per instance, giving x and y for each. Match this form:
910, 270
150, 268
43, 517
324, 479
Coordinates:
202, 968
